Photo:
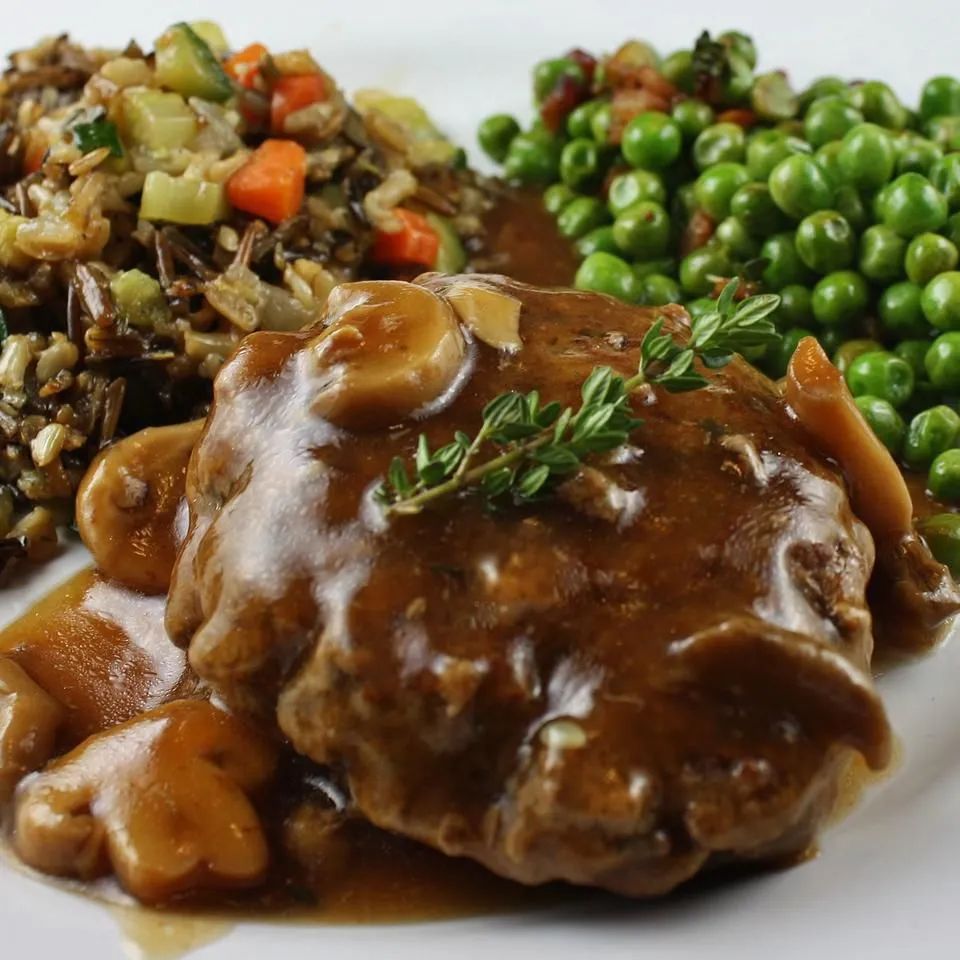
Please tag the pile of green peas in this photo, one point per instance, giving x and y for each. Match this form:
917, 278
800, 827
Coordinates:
839, 198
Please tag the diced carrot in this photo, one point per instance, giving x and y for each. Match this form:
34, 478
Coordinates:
33, 156
416, 242
244, 66
294, 93
271, 183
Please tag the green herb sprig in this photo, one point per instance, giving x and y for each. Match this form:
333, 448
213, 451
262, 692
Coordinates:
533, 444
95, 134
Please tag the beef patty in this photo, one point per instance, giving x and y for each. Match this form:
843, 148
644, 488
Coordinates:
661, 665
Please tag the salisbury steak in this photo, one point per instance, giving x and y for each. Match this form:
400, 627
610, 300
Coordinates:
662, 663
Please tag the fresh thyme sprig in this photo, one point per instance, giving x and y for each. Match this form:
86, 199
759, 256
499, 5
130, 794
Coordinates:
534, 444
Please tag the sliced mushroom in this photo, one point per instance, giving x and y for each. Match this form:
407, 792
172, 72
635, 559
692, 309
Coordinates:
29, 719
127, 503
492, 315
161, 799
823, 404
389, 350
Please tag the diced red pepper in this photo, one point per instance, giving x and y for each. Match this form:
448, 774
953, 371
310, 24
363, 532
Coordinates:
272, 182
416, 242
294, 93
244, 66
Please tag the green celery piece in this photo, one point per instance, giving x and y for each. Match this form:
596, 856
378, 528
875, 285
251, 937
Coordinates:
139, 298
157, 120
187, 65
182, 200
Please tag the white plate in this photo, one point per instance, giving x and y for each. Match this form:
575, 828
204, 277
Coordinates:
887, 882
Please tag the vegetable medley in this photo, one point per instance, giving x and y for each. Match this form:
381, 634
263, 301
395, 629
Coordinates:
672, 174
156, 207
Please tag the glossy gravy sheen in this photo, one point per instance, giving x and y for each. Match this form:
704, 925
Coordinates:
101, 649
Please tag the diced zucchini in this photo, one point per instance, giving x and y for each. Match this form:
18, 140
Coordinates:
427, 144
186, 65
212, 35
182, 199
10, 255
139, 299
451, 257
157, 120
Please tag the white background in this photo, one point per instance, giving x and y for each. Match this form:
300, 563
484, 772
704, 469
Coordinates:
887, 884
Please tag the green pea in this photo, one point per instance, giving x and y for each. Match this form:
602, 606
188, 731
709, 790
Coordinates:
941, 301
753, 206
943, 480
664, 265
942, 535
643, 231
678, 69
884, 421
912, 205
944, 131
840, 298
799, 186
739, 80
556, 197
943, 362
827, 158
532, 158
495, 134
548, 73
952, 229
832, 339
849, 350
928, 255
580, 165
915, 353
716, 186
740, 44
825, 241
603, 272
719, 143
772, 97
820, 88
881, 374
940, 97
829, 119
700, 307
882, 251
900, 312
784, 266
601, 122
795, 309
780, 353
580, 120
699, 269
916, 154
945, 176
657, 289
631, 187
879, 104
600, 238
580, 216
867, 156
849, 204
734, 236
766, 148
684, 203
692, 117
929, 434
651, 141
